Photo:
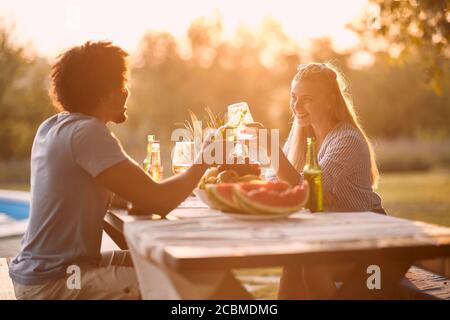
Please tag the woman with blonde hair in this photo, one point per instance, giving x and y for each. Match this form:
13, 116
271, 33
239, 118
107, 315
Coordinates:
322, 109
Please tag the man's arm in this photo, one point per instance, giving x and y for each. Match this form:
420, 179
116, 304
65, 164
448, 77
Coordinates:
130, 182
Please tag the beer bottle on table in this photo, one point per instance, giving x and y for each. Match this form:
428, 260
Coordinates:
146, 164
313, 174
148, 159
156, 168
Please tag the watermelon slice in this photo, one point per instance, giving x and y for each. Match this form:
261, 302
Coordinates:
222, 196
271, 199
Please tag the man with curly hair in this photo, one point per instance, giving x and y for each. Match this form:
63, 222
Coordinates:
76, 165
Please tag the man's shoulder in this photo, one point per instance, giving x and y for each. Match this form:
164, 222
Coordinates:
48, 123
82, 123
72, 122
66, 127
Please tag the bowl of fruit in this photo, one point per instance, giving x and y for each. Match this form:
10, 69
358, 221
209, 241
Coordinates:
238, 171
258, 200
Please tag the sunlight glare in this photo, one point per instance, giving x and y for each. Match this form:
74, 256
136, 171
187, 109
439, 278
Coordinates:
53, 25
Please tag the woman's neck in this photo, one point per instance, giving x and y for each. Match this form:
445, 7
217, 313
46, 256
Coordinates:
322, 129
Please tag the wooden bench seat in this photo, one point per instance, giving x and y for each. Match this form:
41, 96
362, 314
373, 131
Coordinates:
420, 284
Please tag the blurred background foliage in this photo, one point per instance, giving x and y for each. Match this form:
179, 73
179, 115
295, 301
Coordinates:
24, 101
417, 29
402, 98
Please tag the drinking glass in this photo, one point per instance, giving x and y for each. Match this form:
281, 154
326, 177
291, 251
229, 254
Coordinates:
183, 156
239, 115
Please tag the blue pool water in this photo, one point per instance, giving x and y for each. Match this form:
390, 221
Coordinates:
15, 204
15, 209
14, 212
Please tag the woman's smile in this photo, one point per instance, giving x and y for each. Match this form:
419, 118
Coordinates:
301, 115
300, 112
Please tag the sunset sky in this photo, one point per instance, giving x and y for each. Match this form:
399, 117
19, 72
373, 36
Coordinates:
48, 26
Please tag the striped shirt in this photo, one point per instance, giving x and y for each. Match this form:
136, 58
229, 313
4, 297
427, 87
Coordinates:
347, 178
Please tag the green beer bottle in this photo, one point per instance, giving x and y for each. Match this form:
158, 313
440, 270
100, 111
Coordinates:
313, 174
148, 159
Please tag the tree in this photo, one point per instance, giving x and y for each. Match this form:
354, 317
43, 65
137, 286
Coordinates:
413, 28
24, 101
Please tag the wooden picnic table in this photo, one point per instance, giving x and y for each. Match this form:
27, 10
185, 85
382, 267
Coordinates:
303, 239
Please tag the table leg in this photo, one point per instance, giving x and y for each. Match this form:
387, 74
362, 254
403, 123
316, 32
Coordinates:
231, 289
292, 284
115, 235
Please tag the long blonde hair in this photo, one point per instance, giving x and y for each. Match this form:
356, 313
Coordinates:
333, 79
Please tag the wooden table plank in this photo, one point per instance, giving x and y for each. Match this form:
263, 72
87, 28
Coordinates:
185, 262
190, 208
315, 239
116, 217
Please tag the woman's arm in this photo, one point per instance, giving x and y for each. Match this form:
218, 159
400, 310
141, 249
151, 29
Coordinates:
286, 171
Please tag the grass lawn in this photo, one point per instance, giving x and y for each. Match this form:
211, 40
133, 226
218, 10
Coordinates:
421, 196
418, 196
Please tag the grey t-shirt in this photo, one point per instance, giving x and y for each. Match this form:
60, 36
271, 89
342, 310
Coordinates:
67, 204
